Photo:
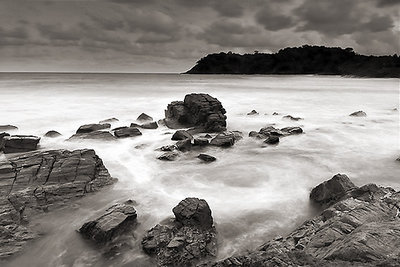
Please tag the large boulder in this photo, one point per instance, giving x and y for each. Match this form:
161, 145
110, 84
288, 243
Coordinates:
20, 143
43, 181
225, 139
200, 110
87, 128
332, 190
127, 132
96, 135
361, 229
116, 220
185, 241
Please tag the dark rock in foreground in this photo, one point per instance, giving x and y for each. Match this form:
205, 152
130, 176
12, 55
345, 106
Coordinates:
200, 110
87, 128
361, 229
19, 143
127, 132
181, 135
43, 181
359, 113
8, 127
96, 135
144, 117
116, 220
225, 139
207, 158
52, 134
185, 241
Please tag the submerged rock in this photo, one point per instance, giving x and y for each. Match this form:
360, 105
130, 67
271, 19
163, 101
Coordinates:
291, 130
168, 156
52, 134
116, 220
200, 110
87, 128
110, 120
181, 135
253, 112
191, 237
359, 113
19, 143
43, 181
206, 158
200, 141
127, 132
8, 127
149, 125
225, 139
184, 145
290, 117
96, 135
144, 117
272, 140
362, 228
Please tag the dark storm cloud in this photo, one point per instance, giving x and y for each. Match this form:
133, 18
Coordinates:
17, 33
272, 20
383, 3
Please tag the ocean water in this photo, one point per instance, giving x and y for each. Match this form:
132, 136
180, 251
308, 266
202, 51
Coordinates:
254, 192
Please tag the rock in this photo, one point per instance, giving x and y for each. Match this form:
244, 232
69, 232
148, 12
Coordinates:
168, 156
256, 135
88, 128
184, 145
181, 135
200, 142
188, 239
332, 190
201, 110
144, 117
168, 148
359, 113
116, 220
2, 135
361, 229
96, 135
225, 139
121, 127
272, 140
8, 127
275, 113
127, 132
290, 117
111, 120
253, 112
149, 125
207, 158
20, 143
291, 130
43, 181
398, 159
52, 134
134, 125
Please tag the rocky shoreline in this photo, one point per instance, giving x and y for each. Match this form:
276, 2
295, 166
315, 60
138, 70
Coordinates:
356, 226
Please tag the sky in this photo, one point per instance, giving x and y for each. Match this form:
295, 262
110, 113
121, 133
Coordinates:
172, 35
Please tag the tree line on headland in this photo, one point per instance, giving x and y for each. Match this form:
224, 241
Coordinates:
301, 60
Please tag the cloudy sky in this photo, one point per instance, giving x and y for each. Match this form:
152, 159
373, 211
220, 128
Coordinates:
171, 35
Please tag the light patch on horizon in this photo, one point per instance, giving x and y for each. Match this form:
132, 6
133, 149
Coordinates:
171, 35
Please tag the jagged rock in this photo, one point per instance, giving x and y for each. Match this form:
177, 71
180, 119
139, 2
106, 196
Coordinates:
290, 117
43, 181
359, 113
272, 134
253, 112
332, 190
272, 140
191, 237
116, 220
52, 134
19, 143
88, 128
96, 135
127, 132
110, 120
144, 117
8, 127
200, 142
184, 145
201, 110
149, 125
181, 135
361, 229
168, 156
207, 158
225, 139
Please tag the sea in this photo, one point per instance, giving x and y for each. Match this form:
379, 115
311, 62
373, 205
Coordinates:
255, 192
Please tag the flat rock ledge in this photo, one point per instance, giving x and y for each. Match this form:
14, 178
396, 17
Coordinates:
197, 110
42, 181
360, 227
185, 241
